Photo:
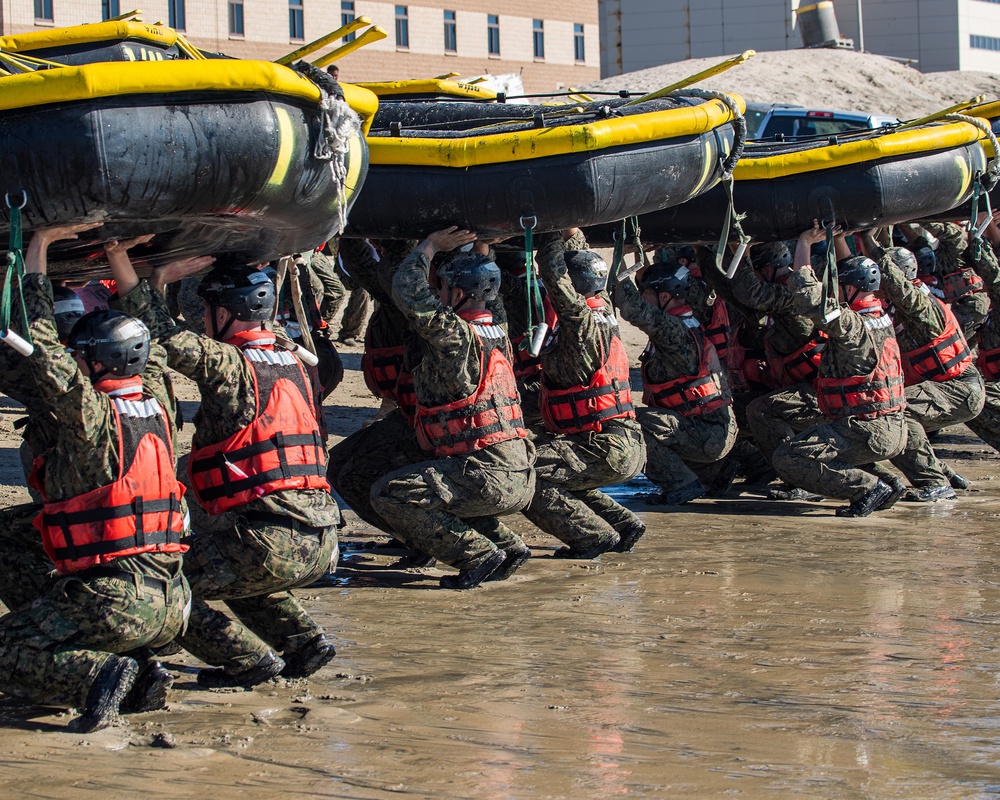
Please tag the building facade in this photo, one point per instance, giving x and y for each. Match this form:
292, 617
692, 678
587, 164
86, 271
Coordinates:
551, 47
933, 35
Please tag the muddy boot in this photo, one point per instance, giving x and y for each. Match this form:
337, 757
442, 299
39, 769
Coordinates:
269, 666
956, 480
317, 653
415, 560
724, 478
149, 692
471, 578
929, 494
628, 537
793, 493
106, 693
880, 498
514, 559
678, 497
602, 545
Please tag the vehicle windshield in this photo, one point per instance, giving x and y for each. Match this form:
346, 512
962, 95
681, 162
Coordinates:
754, 118
801, 126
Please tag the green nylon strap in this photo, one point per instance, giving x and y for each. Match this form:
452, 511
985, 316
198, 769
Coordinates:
15, 271
974, 218
829, 282
732, 220
618, 257
536, 311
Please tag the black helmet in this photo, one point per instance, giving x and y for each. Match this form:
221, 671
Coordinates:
687, 252
118, 341
904, 260
773, 255
588, 271
859, 271
473, 273
926, 262
247, 294
667, 277
68, 309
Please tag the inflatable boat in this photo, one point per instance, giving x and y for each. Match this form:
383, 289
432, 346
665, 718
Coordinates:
429, 90
248, 158
862, 179
496, 168
113, 40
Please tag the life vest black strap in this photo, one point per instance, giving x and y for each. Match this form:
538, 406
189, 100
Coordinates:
144, 539
276, 442
230, 487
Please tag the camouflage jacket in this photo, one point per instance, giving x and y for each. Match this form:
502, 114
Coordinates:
787, 331
675, 352
918, 316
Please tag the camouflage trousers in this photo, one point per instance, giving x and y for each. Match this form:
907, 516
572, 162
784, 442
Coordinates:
52, 649
358, 461
679, 448
776, 417
25, 567
824, 458
987, 425
447, 507
931, 406
567, 503
336, 285
251, 568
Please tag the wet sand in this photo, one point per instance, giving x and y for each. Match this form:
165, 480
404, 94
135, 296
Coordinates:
746, 649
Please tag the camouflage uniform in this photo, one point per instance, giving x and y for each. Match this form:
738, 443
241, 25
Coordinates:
987, 425
679, 449
570, 469
824, 458
930, 405
954, 252
278, 542
336, 284
430, 504
52, 648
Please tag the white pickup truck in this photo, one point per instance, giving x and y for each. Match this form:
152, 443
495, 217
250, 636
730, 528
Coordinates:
779, 122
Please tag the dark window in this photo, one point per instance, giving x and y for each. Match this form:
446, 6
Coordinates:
979, 42
493, 34
450, 32
538, 37
176, 17
579, 51
236, 18
296, 23
43, 10
347, 15
109, 8
402, 26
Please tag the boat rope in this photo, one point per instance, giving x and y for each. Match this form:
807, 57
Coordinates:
339, 124
992, 175
535, 331
15, 273
297, 270
738, 122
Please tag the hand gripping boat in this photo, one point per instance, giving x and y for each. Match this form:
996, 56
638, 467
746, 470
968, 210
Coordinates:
860, 180
496, 168
221, 156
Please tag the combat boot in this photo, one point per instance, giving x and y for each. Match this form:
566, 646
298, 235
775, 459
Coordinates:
930, 494
793, 493
602, 545
269, 666
106, 693
471, 578
514, 559
678, 497
149, 692
879, 498
317, 653
956, 480
628, 537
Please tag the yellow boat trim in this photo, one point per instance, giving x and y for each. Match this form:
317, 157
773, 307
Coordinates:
355, 157
286, 144
911, 142
109, 31
364, 103
501, 148
986, 110
431, 86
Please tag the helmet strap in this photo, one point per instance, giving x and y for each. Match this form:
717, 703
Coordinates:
217, 333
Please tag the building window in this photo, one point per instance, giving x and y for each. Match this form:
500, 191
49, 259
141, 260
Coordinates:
347, 16
579, 52
978, 42
493, 34
538, 37
402, 27
296, 23
43, 10
109, 8
235, 17
175, 15
450, 32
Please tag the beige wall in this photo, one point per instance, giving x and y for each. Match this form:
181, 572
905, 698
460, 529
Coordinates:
266, 35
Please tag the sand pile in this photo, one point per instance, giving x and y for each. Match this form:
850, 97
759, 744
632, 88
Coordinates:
840, 79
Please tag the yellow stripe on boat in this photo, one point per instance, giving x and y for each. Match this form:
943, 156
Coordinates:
364, 103
286, 143
904, 143
435, 86
601, 134
989, 112
110, 31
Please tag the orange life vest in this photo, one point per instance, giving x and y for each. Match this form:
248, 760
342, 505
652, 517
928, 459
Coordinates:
747, 367
960, 283
799, 366
690, 395
988, 362
719, 328
607, 396
139, 512
942, 359
490, 415
282, 448
876, 394
381, 367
